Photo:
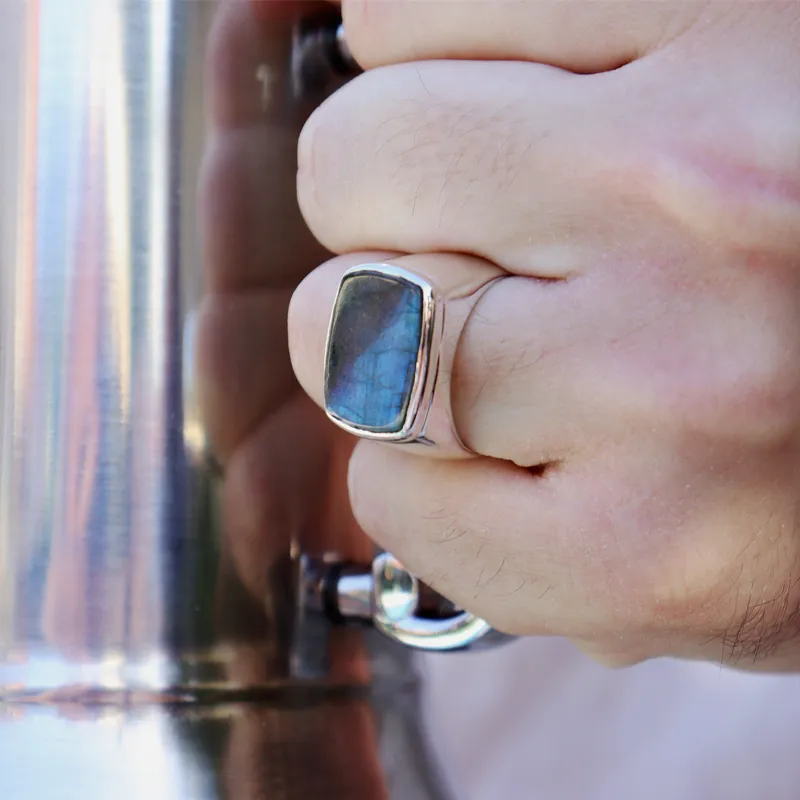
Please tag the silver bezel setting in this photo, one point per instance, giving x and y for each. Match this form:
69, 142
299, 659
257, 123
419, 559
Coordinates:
427, 361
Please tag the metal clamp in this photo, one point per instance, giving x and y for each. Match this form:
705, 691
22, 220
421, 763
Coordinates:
396, 596
387, 596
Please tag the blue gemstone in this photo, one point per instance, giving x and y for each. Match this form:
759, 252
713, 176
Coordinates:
373, 347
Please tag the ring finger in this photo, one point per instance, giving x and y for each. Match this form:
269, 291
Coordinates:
525, 367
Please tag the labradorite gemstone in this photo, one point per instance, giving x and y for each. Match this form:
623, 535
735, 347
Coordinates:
374, 342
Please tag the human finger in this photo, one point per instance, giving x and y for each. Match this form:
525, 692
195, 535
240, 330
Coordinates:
605, 550
458, 526
523, 165
516, 371
577, 35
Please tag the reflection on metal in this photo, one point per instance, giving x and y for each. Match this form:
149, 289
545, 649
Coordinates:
135, 661
96, 493
319, 50
397, 613
389, 597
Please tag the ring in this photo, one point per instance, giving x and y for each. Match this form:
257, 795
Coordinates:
390, 351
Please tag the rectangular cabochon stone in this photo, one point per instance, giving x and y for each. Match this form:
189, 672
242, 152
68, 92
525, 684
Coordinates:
375, 338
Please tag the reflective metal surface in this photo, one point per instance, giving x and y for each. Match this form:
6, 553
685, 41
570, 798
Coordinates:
97, 495
137, 660
401, 607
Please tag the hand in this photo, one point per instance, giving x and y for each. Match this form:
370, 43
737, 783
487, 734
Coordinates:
632, 387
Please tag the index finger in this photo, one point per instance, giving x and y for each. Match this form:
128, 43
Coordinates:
576, 35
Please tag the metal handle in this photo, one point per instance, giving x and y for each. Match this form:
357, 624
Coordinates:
390, 598
396, 600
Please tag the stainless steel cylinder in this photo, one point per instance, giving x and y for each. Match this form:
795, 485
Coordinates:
134, 661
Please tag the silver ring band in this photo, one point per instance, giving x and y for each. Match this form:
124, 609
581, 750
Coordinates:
391, 345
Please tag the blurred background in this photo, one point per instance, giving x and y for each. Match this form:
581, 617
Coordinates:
538, 719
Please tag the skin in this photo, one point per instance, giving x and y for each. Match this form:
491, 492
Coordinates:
631, 389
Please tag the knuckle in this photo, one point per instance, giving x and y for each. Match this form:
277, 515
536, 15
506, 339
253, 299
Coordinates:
738, 188
722, 365
750, 394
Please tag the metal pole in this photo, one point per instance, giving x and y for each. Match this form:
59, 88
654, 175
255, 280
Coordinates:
133, 663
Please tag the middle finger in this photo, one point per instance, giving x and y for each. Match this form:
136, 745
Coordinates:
524, 165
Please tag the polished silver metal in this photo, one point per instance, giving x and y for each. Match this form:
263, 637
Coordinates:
135, 659
428, 421
396, 612
355, 594
394, 601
